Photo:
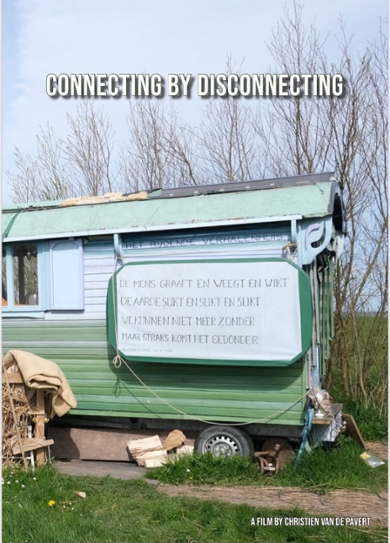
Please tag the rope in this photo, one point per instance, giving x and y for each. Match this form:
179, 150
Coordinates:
118, 360
287, 249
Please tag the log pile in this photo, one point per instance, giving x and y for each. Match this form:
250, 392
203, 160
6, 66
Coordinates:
150, 452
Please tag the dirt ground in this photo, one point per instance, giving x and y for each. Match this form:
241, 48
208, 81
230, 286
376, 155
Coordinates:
338, 503
380, 449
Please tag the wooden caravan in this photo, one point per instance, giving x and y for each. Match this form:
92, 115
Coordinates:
180, 307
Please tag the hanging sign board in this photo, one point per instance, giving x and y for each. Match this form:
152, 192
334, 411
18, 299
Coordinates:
249, 312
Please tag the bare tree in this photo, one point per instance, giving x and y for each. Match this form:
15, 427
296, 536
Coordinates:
45, 176
159, 152
88, 150
229, 145
294, 131
362, 276
348, 135
79, 165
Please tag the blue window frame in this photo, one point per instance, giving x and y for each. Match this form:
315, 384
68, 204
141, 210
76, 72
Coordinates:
41, 276
23, 288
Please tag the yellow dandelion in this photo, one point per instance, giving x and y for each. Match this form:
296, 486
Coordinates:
50, 503
191, 478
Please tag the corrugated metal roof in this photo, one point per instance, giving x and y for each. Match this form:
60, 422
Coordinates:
42, 221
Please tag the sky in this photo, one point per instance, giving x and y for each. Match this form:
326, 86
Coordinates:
131, 36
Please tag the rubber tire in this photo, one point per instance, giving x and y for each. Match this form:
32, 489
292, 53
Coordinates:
231, 439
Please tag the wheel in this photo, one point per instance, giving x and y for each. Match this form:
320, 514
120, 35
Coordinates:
224, 441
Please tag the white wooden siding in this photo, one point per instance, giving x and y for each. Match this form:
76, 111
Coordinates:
100, 262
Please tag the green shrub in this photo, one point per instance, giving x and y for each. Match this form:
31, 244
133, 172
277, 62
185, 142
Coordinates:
372, 424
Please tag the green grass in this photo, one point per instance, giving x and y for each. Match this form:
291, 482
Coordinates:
321, 470
208, 469
359, 375
339, 467
372, 424
117, 511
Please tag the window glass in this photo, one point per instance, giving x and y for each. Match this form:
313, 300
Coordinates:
25, 274
4, 278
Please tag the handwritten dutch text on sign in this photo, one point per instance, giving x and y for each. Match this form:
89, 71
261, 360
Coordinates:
236, 310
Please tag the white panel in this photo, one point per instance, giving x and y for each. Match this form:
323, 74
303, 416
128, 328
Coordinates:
233, 311
97, 272
67, 274
96, 299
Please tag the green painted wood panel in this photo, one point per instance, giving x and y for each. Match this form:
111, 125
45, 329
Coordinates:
213, 393
311, 200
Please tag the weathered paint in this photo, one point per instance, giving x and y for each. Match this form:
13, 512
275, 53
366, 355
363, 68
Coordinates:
159, 229
307, 201
100, 264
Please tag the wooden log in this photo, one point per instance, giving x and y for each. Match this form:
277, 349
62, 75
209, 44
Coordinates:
175, 439
144, 445
160, 456
151, 463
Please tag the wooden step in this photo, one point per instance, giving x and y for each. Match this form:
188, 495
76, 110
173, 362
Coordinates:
32, 445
